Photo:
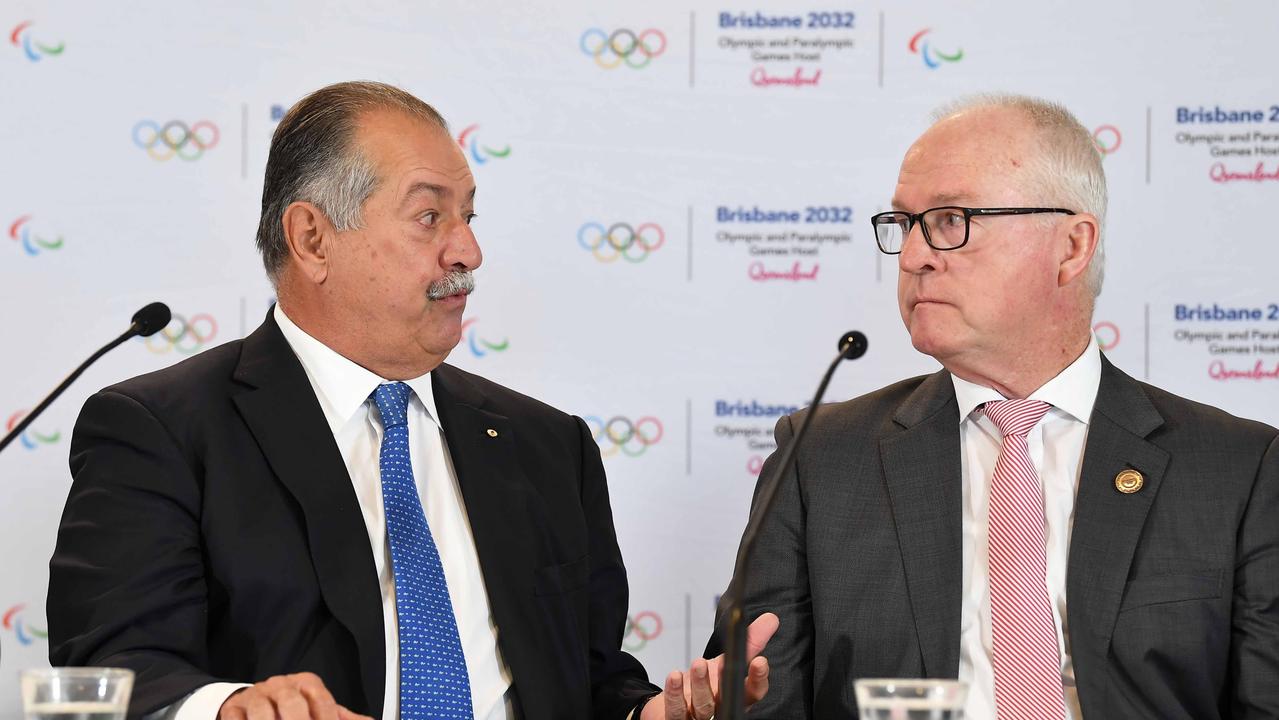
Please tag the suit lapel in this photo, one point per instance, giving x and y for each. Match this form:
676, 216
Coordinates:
1108, 523
482, 445
285, 418
922, 472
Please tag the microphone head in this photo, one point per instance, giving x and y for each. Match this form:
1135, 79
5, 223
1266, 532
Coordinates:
151, 319
852, 345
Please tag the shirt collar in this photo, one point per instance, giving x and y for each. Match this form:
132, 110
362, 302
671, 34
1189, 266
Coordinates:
1073, 390
341, 385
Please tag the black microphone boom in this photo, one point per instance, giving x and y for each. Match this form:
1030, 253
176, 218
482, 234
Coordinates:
852, 345
147, 321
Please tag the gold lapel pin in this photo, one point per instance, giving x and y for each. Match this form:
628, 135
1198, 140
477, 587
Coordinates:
1129, 481
492, 432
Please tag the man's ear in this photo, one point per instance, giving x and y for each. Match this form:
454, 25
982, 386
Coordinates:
1083, 233
309, 235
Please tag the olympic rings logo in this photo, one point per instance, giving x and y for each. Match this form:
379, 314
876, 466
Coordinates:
185, 336
20, 232
175, 138
621, 240
1107, 139
622, 46
641, 628
478, 346
26, 632
631, 438
33, 50
932, 56
754, 464
31, 439
1107, 334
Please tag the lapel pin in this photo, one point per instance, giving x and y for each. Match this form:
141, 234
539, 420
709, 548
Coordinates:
493, 433
1129, 481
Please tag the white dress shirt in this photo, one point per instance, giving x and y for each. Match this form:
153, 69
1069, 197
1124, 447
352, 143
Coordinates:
343, 389
1057, 450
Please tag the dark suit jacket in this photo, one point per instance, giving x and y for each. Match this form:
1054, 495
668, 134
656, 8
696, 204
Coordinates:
212, 534
1172, 592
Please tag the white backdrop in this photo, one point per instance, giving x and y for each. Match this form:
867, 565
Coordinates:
746, 153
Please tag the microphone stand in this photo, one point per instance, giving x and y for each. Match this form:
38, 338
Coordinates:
142, 325
733, 678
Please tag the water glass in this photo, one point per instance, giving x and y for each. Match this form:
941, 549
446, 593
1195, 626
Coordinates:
900, 699
76, 693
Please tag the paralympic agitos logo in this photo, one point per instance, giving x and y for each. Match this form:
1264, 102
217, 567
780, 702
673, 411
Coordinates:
933, 58
175, 139
31, 242
622, 47
621, 240
479, 346
481, 154
31, 438
22, 37
14, 622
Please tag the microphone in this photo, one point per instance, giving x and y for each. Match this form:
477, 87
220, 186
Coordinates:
152, 319
852, 345
146, 322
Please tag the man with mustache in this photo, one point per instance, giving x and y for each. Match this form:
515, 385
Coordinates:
323, 520
1069, 541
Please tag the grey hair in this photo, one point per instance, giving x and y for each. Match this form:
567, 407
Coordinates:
315, 158
1068, 171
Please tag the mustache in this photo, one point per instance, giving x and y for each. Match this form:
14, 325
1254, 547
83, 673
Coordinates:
458, 282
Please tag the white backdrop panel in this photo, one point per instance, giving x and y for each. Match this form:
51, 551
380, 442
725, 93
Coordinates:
703, 337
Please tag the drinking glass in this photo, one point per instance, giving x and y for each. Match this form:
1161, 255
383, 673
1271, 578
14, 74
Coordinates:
900, 699
76, 693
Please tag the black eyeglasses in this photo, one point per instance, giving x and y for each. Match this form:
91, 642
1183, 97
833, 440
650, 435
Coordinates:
945, 228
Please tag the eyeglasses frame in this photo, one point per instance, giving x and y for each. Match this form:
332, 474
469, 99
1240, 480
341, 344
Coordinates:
917, 219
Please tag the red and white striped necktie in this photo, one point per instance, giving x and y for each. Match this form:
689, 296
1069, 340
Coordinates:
1026, 658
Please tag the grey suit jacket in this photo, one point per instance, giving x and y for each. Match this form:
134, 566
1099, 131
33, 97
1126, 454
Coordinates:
1172, 591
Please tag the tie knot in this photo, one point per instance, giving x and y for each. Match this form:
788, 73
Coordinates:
393, 403
1016, 417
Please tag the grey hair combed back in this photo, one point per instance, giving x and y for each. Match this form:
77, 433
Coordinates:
314, 158
1068, 171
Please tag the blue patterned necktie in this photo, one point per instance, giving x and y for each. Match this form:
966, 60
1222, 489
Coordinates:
433, 679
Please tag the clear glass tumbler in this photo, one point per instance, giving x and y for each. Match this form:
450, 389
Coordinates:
901, 699
76, 693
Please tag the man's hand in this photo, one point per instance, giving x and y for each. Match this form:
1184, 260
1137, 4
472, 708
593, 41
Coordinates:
695, 694
287, 697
